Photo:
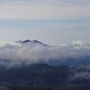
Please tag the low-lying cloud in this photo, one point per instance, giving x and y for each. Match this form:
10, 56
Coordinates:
15, 53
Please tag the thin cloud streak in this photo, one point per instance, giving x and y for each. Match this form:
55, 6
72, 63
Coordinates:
47, 2
43, 12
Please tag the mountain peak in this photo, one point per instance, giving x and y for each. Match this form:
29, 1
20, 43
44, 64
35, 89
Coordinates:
32, 41
25, 41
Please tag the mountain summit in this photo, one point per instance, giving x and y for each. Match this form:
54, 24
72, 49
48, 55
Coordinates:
32, 41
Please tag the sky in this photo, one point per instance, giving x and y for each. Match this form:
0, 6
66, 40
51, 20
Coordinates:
50, 21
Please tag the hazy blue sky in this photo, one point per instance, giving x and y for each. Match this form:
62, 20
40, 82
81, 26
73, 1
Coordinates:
50, 21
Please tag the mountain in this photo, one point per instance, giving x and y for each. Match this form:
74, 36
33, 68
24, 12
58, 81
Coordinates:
35, 75
32, 41
45, 76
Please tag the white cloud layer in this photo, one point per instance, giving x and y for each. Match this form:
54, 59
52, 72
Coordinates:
16, 53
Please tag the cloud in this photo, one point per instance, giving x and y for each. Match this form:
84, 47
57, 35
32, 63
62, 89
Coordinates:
47, 2
44, 9
81, 44
38, 12
80, 76
16, 53
81, 72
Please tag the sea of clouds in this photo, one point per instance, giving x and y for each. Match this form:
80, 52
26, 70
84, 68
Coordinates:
17, 53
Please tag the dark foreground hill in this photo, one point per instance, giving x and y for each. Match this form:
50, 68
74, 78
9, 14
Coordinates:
35, 75
45, 77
